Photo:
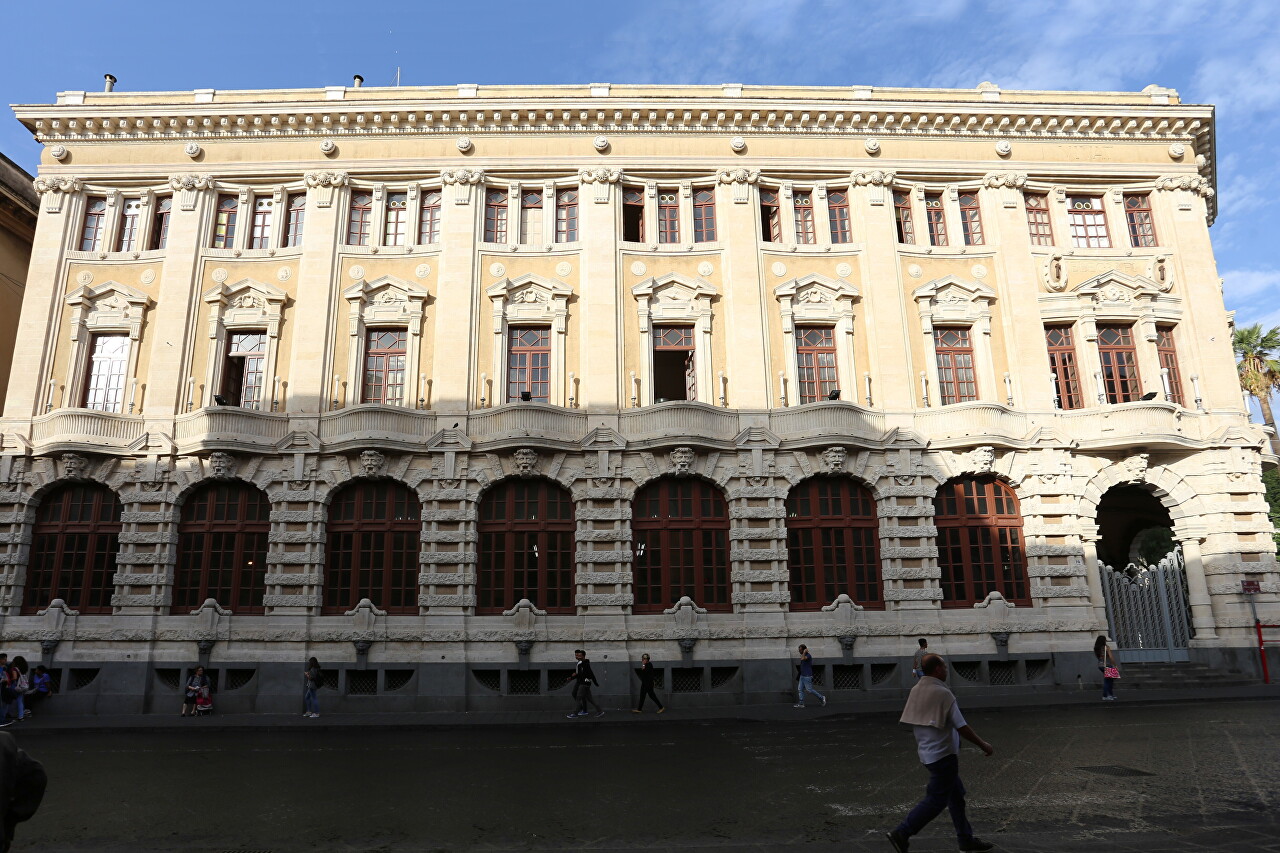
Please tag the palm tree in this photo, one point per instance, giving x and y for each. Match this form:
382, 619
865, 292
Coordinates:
1259, 368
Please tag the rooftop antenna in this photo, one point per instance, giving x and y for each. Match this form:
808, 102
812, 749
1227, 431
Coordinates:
397, 75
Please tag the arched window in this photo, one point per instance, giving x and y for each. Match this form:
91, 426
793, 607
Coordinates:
680, 528
222, 548
526, 547
980, 542
73, 549
833, 543
374, 539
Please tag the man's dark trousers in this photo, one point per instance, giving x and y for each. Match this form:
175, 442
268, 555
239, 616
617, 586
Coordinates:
945, 791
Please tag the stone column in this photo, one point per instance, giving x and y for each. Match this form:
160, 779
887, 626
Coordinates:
748, 366
1093, 574
1198, 589
601, 295
457, 302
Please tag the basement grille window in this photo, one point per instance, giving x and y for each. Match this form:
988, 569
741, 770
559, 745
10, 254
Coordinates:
168, 677
819, 676
1036, 669
329, 679
1004, 673
396, 679
82, 678
557, 679
362, 682
722, 675
882, 672
523, 682
237, 678
686, 680
969, 670
490, 679
846, 677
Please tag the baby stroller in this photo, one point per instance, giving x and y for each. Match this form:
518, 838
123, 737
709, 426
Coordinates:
204, 702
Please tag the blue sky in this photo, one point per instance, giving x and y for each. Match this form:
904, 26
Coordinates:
1225, 52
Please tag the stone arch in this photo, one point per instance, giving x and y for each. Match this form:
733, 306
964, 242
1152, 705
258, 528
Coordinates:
500, 582
658, 584
854, 528
1183, 502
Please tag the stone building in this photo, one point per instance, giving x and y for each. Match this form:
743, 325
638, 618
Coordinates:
438, 384
17, 228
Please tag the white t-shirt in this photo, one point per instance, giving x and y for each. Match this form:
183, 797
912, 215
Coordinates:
934, 744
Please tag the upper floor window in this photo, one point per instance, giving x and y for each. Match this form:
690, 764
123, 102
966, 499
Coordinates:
1142, 228
242, 371
957, 377
395, 231
130, 237
770, 217
669, 217
495, 216
108, 364
296, 216
526, 546
704, 216
160, 224
222, 547
935, 218
816, 362
838, 216
358, 220
260, 235
95, 219
531, 217
224, 222
567, 216
429, 223
384, 365
633, 214
674, 365
805, 232
1088, 222
1167, 352
1062, 365
529, 363
374, 538
902, 217
1038, 226
970, 219
1119, 364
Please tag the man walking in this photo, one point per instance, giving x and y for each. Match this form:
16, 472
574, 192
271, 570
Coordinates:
805, 685
583, 678
934, 716
916, 661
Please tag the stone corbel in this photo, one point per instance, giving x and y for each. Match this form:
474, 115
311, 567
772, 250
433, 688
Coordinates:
462, 180
875, 180
603, 178
187, 188
324, 184
740, 180
55, 190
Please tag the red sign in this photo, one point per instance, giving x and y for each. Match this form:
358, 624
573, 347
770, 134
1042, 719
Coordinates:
1250, 587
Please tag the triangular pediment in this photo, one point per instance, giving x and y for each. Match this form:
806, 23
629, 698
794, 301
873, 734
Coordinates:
529, 288
387, 288
953, 288
816, 288
1116, 286
675, 287
257, 292
109, 294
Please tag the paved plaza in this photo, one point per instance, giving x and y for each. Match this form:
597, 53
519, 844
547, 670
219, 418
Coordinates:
1188, 776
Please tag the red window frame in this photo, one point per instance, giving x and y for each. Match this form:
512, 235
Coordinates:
495, 216
1060, 341
374, 539
1138, 216
395, 220
1167, 351
980, 542
74, 543
567, 216
704, 215
131, 231
833, 543
838, 216
242, 369
1039, 226
295, 218
770, 216
224, 222
526, 547
632, 204
680, 534
816, 367
160, 223
668, 216
935, 218
802, 204
95, 219
429, 223
385, 355
1119, 358
260, 231
529, 362
359, 218
957, 373
222, 548
903, 224
971, 219
1088, 222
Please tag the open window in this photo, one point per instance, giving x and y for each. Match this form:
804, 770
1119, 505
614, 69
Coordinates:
674, 366
633, 215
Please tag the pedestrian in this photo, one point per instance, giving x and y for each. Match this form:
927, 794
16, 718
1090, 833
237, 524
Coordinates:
18, 681
41, 686
805, 684
311, 677
919, 656
22, 785
583, 678
1106, 666
934, 717
6, 692
197, 687
646, 685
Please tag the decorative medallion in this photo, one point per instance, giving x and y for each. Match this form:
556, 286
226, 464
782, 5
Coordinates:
914, 271
283, 274
979, 271
601, 143
705, 269
779, 269
148, 276
843, 270
1176, 150
192, 149
422, 270
85, 277
497, 270
872, 146
58, 152
1004, 147
563, 268
220, 275
464, 144
356, 272
328, 146
738, 144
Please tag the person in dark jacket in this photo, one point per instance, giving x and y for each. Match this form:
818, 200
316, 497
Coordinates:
646, 685
22, 784
311, 678
584, 678
197, 685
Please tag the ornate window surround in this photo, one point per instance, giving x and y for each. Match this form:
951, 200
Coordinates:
75, 209
245, 305
688, 302
684, 188
786, 190
529, 300
954, 301
548, 188
950, 192
379, 190
246, 196
1113, 209
820, 301
107, 308
385, 302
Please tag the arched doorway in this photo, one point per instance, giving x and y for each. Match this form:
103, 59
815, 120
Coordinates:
1144, 583
375, 532
73, 549
526, 547
833, 543
222, 548
680, 533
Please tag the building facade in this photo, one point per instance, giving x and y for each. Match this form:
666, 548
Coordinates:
17, 228
438, 384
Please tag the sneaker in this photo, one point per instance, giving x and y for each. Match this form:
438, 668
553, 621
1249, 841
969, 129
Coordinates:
898, 840
315, 716
824, 701
635, 710
798, 705
976, 845
6, 723
663, 708
572, 716
599, 713
582, 713
306, 713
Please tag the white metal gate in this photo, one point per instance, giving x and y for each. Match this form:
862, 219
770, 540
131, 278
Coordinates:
1147, 611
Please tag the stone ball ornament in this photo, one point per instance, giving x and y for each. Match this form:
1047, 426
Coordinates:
872, 146
1177, 150
193, 149
1004, 148
600, 143
738, 144
328, 146
58, 152
464, 144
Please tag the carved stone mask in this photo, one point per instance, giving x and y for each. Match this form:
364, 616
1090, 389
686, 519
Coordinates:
834, 458
526, 461
682, 459
371, 462
221, 465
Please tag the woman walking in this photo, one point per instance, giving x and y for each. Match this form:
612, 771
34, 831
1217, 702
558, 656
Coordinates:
310, 687
646, 685
1107, 666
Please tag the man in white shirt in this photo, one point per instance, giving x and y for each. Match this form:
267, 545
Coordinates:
934, 717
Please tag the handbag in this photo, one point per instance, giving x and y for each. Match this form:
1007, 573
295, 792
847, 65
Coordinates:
1110, 672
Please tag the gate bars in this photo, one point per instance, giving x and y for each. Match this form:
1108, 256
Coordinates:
1147, 611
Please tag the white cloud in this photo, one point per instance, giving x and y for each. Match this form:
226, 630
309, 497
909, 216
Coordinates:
1254, 294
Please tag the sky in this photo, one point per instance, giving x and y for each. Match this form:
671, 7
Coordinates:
1221, 52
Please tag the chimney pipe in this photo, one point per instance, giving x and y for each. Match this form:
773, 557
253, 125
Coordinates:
111, 82
358, 82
